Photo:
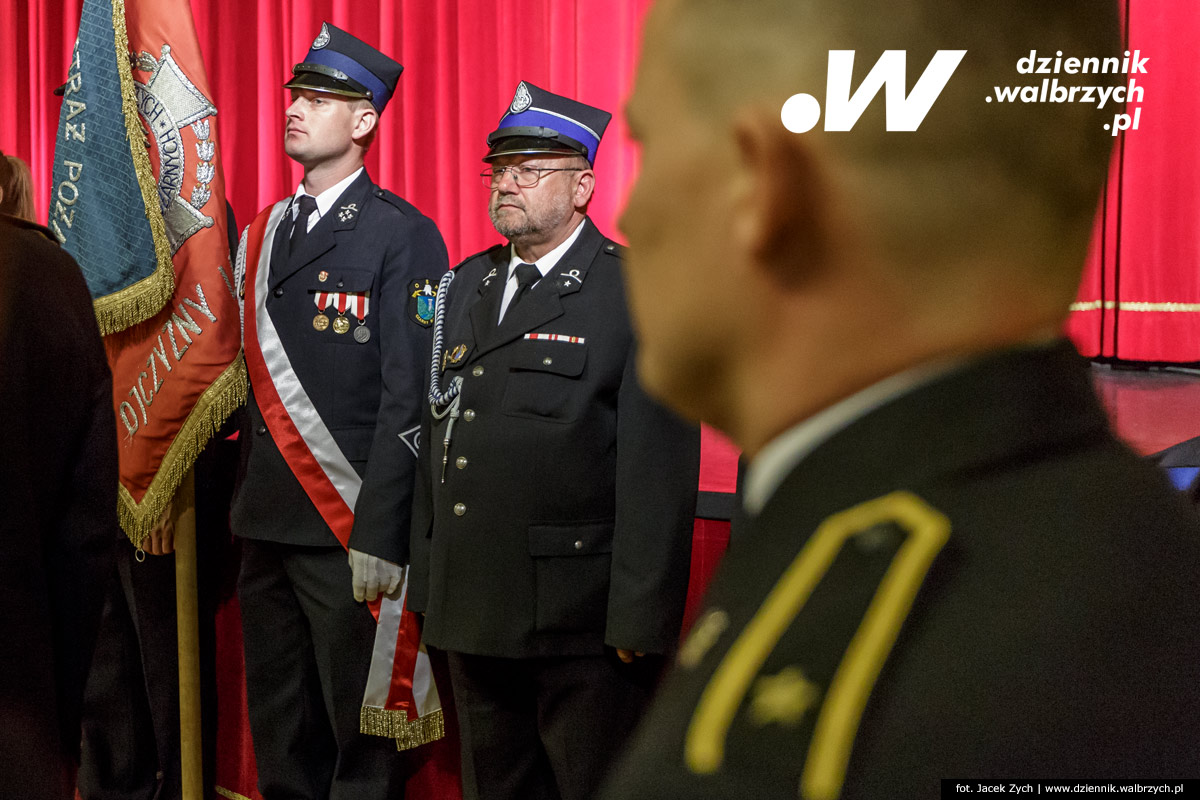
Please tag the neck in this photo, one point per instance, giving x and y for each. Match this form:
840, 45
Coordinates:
530, 250
319, 177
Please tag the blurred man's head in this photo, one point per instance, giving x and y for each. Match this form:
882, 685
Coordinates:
841, 257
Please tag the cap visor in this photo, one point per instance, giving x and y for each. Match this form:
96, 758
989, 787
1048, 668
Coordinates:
529, 145
322, 83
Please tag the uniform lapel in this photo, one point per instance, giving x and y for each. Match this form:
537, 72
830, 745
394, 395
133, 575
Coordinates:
544, 301
322, 238
486, 307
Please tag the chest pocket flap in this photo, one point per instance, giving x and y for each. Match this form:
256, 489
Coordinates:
349, 281
557, 358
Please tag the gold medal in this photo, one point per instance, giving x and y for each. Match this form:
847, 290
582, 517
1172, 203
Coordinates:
341, 324
320, 322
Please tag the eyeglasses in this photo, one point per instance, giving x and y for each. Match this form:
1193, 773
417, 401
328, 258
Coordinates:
525, 177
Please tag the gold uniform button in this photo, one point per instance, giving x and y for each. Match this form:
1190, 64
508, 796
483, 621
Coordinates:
477, 371
461, 462
578, 544
547, 361
460, 509
469, 414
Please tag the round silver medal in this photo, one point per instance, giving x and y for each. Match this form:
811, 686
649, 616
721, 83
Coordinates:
362, 334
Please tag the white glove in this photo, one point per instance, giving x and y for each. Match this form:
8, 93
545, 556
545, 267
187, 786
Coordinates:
372, 576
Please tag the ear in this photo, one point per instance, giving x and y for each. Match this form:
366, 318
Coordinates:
779, 216
584, 188
365, 121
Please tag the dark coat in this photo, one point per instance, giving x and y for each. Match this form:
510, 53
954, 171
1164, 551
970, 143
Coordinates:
1056, 634
58, 507
367, 394
577, 491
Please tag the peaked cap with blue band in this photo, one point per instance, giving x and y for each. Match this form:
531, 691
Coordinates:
538, 121
343, 64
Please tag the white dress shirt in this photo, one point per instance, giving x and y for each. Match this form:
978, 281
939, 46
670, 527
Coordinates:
544, 265
325, 199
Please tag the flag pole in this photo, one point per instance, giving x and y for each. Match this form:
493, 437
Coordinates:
188, 627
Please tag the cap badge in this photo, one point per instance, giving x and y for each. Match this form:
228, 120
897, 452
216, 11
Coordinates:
522, 100
322, 38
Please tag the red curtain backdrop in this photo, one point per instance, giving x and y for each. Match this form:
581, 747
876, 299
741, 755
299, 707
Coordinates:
1140, 296
462, 61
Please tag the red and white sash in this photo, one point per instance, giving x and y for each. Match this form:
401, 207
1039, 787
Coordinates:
401, 701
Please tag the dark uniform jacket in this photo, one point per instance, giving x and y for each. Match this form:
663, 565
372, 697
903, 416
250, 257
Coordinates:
566, 515
1054, 629
367, 393
58, 507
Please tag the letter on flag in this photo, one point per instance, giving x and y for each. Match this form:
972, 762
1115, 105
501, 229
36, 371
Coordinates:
139, 201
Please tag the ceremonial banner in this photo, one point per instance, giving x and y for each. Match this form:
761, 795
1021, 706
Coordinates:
139, 201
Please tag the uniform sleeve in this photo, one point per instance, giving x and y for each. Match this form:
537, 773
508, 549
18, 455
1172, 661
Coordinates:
382, 514
658, 468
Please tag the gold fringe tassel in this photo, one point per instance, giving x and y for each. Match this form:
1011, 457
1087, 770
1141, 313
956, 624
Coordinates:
220, 400
229, 793
393, 723
117, 311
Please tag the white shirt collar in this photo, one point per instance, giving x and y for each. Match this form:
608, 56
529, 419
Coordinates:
325, 199
784, 452
548, 261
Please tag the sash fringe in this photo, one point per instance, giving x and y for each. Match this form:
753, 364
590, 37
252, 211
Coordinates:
393, 723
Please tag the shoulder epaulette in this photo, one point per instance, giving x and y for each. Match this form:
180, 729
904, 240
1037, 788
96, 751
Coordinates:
481, 253
614, 249
393, 199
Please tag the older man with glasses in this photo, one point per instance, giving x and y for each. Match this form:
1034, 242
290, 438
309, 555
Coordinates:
552, 516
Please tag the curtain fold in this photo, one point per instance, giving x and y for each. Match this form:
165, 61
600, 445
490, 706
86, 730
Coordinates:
1140, 296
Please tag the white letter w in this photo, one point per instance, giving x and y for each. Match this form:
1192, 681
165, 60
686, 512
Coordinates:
903, 114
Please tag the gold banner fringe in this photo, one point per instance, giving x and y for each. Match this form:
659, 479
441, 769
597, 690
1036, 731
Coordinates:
142, 300
229, 793
394, 723
220, 400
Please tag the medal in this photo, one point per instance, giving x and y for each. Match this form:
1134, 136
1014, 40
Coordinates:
320, 321
340, 324
359, 304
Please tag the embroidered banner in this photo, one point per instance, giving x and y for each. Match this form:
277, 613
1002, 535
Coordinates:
140, 203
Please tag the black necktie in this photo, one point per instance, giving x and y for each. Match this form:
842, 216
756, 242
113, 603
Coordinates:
527, 276
307, 204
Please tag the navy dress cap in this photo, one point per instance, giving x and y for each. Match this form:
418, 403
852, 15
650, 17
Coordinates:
538, 121
343, 64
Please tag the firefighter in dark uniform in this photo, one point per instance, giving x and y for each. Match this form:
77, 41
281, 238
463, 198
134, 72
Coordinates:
337, 344
949, 568
553, 516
